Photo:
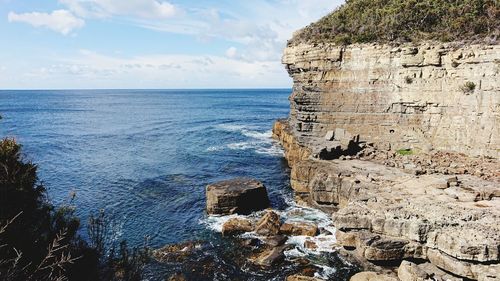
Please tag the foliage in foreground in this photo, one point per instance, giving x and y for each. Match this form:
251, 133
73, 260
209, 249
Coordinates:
40, 242
362, 21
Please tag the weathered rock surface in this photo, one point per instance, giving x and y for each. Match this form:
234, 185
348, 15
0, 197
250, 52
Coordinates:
372, 276
401, 143
269, 224
269, 257
299, 228
407, 96
409, 271
240, 195
390, 215
236, 226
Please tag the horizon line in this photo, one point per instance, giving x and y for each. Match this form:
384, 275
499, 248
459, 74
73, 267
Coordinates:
142, 89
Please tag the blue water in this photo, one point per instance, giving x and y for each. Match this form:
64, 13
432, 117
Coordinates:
145, 156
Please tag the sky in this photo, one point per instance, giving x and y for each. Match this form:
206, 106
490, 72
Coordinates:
149, 44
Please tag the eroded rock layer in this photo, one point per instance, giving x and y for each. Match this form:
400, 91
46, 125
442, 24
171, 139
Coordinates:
427, 96
435, 203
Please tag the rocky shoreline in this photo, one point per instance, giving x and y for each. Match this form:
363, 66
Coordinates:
395, 213
400, 143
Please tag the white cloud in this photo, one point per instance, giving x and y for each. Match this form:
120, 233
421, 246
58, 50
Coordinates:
261, 27
145, 9
61, 21
254, 34
231, 52
89, 69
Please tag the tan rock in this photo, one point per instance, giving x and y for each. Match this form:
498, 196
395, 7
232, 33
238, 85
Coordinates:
311, 245
269, 257
408, 98
236, 226
372, 276
409, 271
299, 228
239, 195
269, 224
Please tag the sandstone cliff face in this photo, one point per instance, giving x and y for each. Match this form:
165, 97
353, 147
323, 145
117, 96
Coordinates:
407, 97
441, 205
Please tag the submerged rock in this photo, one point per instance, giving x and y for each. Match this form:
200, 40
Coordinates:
270, 257
177, 252
239, 195
301, 278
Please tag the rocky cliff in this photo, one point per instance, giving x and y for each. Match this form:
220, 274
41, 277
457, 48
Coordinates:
401, 144
425, 96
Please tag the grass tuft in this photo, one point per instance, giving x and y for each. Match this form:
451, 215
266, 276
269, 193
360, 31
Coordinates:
405, 152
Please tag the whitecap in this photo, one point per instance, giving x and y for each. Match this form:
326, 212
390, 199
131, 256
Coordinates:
215, 148
263, 136
215, 223
232, 127
242, 145
273, 150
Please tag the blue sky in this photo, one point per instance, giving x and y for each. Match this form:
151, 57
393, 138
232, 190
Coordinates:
73, 44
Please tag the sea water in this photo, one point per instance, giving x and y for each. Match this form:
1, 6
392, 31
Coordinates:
145, 156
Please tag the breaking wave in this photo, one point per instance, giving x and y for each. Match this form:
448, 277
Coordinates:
257, 141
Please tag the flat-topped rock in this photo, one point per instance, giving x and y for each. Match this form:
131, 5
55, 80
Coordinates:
387, 214
236, 196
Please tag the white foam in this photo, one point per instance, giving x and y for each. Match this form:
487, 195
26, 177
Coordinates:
326, 272
242, 145
232, 127
263, 136
215, 223
260, 142
273, 150
215, 148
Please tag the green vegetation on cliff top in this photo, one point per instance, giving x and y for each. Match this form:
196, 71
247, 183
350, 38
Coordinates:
364, 21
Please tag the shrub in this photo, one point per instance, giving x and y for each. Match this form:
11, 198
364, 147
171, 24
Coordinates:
125, 264
40, 242
468, 87
408, 80
361, 21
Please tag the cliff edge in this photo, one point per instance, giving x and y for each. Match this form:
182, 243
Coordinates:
400, 141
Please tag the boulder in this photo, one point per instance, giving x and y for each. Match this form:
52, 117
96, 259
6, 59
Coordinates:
311, 245
269, 224
239, 195
236, 226
299, 229
409, 271
270, 257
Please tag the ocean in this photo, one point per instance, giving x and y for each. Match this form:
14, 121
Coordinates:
145, 156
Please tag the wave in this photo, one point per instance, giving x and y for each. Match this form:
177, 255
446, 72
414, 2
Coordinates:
247, 131
258, 141
263, 136
325, 242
